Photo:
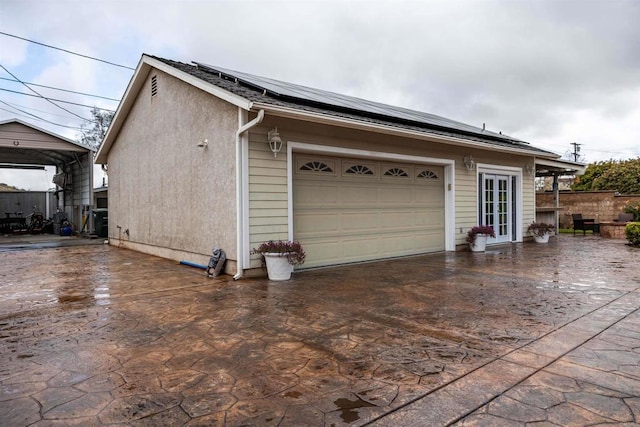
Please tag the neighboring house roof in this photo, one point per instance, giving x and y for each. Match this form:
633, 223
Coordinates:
254, 92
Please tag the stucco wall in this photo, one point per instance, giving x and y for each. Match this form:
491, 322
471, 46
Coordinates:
268, 176
176, 200
599, 205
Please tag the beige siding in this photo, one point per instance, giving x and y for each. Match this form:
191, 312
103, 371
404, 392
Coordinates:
529, 199
466, 200
467, 190
268, 197
269, 183
176, 199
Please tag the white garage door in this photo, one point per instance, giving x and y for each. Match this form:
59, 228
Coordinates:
347, 210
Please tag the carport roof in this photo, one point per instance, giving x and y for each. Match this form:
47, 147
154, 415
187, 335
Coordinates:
22, 143
255, 92
558, 167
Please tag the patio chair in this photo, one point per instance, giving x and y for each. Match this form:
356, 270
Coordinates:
584, 224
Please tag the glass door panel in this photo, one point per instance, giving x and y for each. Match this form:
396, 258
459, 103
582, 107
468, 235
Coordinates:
497, 205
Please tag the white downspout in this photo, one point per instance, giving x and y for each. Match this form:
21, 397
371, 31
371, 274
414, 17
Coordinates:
239, 195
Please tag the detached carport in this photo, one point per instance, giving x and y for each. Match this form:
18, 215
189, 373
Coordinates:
25, 146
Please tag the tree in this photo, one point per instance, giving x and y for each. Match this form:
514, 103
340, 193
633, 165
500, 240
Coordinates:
7, 187
593, 172
93, 134
622, 176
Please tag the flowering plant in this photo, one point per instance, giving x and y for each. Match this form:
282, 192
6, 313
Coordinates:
294, 251
540, 228
479, 229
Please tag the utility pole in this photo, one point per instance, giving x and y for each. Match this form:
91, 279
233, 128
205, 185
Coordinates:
576, 151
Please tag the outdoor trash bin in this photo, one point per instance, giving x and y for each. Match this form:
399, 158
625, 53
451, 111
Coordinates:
101, 221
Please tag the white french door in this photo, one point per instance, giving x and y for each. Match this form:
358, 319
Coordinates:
497, 205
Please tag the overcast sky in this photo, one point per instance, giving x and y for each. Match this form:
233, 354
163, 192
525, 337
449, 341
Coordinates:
550, 72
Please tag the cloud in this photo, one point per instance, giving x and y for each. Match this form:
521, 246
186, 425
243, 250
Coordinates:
549, 72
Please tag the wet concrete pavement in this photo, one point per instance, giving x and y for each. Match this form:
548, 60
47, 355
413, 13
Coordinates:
43, 241
544, 335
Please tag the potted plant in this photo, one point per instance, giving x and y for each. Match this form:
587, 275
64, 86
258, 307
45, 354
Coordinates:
280, 256
477, 237
541, 231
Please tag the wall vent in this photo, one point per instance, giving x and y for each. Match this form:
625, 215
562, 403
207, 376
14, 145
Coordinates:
154, 86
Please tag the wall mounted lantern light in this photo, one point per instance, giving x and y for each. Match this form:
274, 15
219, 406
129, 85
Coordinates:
469, 163
275, 142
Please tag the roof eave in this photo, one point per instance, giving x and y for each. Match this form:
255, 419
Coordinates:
293, 113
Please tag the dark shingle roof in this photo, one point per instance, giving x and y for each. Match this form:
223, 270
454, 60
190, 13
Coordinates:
273, 92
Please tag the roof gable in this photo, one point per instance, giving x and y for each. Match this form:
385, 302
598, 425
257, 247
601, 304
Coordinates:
145, 66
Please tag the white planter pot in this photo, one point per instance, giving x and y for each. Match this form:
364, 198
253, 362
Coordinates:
542, 239
480, 244
278, 267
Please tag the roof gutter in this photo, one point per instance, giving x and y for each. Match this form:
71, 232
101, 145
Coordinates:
239, 193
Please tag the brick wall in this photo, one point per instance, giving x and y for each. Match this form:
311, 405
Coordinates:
600, 205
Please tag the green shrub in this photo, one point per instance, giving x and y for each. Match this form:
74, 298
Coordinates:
633, 233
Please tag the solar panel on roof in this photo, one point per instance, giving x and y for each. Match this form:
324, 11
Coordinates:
280, 88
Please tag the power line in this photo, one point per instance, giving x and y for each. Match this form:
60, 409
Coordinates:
35, 109
585, 150
57, 100
38, 117
63, 90
13, 112
48, 100
67, 51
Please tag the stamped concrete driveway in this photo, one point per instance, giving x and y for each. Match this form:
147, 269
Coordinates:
547, 335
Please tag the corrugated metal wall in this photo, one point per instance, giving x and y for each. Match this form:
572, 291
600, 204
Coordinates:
12, 202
